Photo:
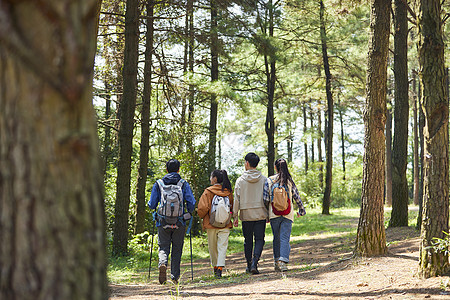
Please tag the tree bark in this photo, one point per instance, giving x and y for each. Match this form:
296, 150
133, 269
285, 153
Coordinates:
371, 236
330, 115
214, 77
126, 116
435, 107
145, 125
52, 223
400, 198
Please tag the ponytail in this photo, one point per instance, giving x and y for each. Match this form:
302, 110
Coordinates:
283, 171
222, 178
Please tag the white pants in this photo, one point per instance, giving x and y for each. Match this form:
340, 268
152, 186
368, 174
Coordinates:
217, 245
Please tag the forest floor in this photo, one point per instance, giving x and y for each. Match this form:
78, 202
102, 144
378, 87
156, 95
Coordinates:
321, 267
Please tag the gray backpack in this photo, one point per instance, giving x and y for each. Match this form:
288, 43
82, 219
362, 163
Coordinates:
220, 215
171, 205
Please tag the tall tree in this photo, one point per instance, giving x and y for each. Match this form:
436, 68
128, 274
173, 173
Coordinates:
330, 116
435, 106
126, 116
52, 227
371, 236
145, 123
214, 44
270, 72
399, 215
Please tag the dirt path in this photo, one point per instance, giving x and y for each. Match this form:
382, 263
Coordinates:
320, 268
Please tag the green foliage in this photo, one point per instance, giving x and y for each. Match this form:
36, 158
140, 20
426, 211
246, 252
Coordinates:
441, 245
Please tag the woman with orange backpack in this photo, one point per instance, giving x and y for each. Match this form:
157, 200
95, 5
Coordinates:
215, 207
279, 191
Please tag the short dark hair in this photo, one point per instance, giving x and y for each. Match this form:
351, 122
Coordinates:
173, 165
252, 159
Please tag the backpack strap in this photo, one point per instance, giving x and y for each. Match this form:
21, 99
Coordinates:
161, 185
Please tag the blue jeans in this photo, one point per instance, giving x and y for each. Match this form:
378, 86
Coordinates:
281, 229
256, 230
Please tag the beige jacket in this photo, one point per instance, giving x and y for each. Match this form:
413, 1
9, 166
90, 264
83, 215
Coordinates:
248, 197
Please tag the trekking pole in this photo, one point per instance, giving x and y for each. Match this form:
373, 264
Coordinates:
190, 240
151, 248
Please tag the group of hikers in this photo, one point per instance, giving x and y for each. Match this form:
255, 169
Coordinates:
256, 200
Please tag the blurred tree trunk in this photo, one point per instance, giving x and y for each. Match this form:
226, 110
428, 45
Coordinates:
371, 236
329, 120
145, 124
400, 197
435, 107
214, 46
52, 226
126, 116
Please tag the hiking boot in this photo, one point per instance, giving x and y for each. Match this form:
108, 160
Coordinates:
162, 274
254, 267
218, 272
283, 266
249, 266
276, 266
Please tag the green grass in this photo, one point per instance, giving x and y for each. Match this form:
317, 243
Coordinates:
341, 223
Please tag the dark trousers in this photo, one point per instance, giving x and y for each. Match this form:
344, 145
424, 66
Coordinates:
256, 230
175, 238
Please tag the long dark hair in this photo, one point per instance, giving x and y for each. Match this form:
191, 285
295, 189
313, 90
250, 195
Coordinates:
283, 172
222, 178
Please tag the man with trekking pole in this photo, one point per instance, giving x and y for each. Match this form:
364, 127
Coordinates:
174, 202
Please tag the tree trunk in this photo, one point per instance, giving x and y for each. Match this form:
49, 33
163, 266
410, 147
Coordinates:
371, 236
341, 120
52, 223
319, 142
290, 138
416, 142
126, 116
435, 107
214, 77
271, 79
305, 131
388, 164
107, 139
329, 125
399, 216
145, 125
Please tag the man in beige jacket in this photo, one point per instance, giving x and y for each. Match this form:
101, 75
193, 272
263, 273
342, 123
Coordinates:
249, 206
